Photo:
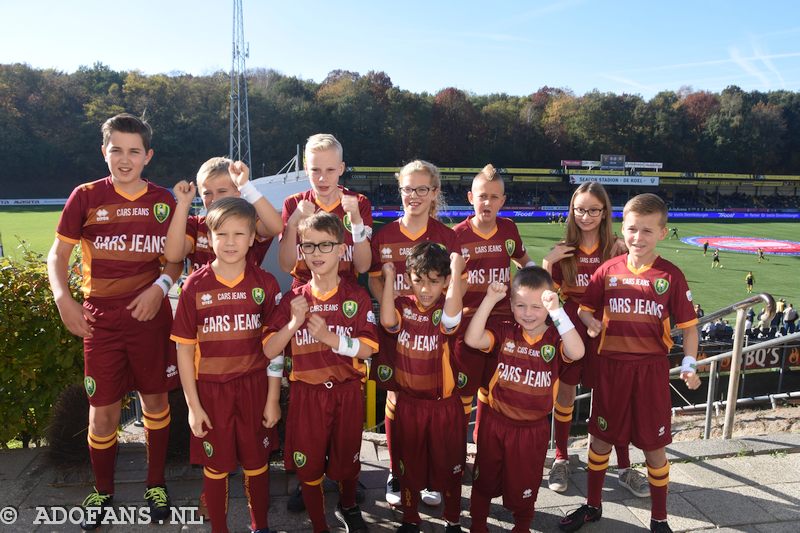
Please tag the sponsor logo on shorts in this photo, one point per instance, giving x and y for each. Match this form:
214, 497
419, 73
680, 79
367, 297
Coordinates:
258, 295
265, 442
384, 372
355, 457
661, 431
90, 385
437, 317
457, 469
527, 493
299, 459
348, 224
161, 211
172, 371
349, 308
547, 352
661, 286
510, 246
208, 448
601, 423
462, 380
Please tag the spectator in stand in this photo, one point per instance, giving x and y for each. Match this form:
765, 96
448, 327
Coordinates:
790, 318
780, 307
699, 311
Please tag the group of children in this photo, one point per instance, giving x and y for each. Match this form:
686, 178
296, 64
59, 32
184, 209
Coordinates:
453, 323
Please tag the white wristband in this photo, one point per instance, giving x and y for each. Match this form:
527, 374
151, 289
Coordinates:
689, 364
359, 233
561, 321
164, 282
530, 263
250, 193
449, 322
275, 368
348, 346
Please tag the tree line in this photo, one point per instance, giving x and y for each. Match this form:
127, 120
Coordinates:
49, 124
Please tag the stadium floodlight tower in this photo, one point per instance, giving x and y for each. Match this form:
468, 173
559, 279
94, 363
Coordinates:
240, 119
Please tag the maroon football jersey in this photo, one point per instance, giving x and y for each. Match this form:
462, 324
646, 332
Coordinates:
347, 310
122, 236
224, 319
637, 306
202, 253
422, 366
300, 271
393, 243
522, 385
488, 259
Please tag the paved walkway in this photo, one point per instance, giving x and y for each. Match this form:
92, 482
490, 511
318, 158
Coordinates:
748, 485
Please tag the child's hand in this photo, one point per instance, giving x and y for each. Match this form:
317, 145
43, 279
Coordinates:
594, 326
559, 252
184, 192
691, 379
239, 173
496, 291
76, 318
350, 206
145, 306
271, 415
457, 265
389, 272
299, 310
304, 210
550, 301
319, 329
198, 417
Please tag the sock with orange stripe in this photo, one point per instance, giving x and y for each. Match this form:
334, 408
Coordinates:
562, 421
215, 490
479, 511
103, 453
659, 487
314, 499
598, 464
156, 434
623, 457
388, 426
347, 493
256, 488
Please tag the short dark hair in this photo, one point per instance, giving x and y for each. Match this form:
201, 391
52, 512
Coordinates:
532, 277
428, 257
323, 221
127, 123
647, 204
230, 207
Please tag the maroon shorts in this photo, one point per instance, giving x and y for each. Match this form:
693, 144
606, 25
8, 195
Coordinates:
125, 354
510, 459
236, 410
429, 440
323, 430
631, 403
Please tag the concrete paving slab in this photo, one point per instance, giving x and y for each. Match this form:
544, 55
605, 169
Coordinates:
776, 500
683, 516
727, 506
783, 527
712, 474
764, 469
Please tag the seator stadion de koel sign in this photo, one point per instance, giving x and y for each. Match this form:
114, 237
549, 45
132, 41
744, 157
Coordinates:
621, 179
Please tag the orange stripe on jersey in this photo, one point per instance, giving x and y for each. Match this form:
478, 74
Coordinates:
412, 236
369, 342
181, 340
107, 288
67, 239
86, 269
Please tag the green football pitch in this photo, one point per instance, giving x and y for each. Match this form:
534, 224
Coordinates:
713, 289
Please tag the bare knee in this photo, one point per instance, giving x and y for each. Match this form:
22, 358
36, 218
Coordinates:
104, 420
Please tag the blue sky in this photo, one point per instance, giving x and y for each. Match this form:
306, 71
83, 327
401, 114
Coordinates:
513, 47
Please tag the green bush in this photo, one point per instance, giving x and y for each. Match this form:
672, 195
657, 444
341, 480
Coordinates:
39, 357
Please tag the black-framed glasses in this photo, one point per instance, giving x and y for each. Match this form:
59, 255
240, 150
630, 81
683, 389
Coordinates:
421, 191
592, 212
324, 247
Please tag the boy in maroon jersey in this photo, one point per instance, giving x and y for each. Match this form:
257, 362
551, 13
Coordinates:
233, 404
121, 223
488, 243
329, 328
219, 177
324, 165
638, 293
513, 437
429, 421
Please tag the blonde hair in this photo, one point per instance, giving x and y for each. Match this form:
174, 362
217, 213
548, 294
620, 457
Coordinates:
569, 265
418, 165
213, 167
647, 204
489, 173
320, 142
